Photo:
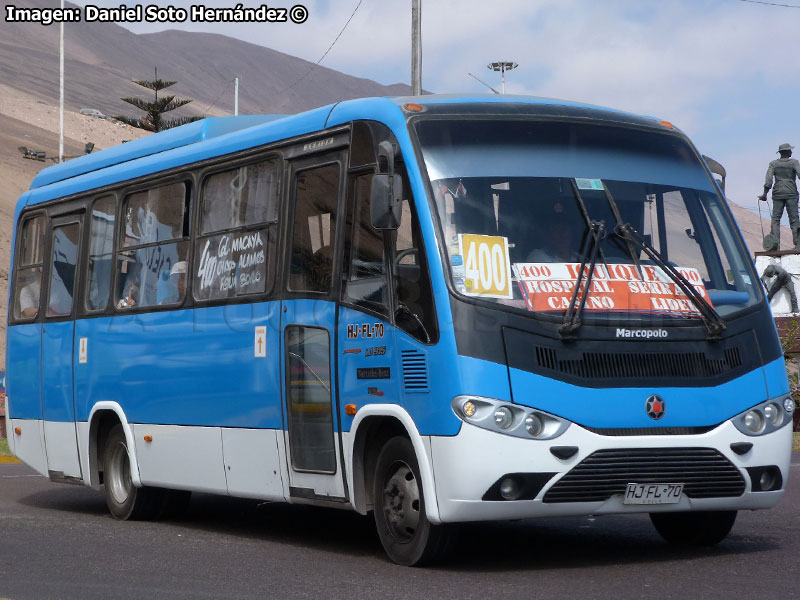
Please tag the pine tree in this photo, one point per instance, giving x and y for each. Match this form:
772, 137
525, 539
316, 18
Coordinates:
153, 120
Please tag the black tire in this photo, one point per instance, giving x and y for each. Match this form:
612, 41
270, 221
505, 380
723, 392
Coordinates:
403, 527
125, 501
694, 528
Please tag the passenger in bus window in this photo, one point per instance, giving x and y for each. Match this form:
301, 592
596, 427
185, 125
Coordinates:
172, 284
130, 293
29, 297
558, 240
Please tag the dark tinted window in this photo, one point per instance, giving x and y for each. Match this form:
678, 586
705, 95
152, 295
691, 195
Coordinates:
234, 255
29, 268
66, 240
101, 253
366, 283
151, 269
316, 199
247, 195
414, 311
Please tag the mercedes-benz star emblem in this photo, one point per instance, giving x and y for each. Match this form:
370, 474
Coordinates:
655, 407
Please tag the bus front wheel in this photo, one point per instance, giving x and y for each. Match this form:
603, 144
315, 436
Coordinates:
403, 527
124, 500
694, 528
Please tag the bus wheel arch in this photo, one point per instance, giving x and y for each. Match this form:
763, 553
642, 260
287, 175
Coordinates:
374, 427
103, 418
373, 432
407, 535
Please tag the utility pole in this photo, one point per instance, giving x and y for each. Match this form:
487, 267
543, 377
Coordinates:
502, 66
236, 97
416, 48
61, 90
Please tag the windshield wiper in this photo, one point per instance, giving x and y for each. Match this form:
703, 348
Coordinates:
618, 218
713, 322
591, 245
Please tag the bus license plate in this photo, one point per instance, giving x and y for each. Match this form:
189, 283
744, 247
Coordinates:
653, 493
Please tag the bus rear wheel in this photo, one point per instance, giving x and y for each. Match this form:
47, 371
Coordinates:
125, 501
694, 528
403, 527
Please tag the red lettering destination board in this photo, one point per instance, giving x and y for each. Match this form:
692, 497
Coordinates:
614, 288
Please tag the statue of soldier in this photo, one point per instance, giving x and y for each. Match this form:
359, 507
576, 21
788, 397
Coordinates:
784, 170
783, 279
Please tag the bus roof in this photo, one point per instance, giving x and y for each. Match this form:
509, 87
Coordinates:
217, 136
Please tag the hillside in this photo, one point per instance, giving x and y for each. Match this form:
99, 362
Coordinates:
101, 59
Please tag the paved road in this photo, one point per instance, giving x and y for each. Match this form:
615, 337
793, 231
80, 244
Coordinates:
57, 541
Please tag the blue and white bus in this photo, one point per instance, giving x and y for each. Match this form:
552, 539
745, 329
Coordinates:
440, 309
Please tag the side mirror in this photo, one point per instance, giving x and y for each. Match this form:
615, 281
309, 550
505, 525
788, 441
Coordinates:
384, 204
386, 192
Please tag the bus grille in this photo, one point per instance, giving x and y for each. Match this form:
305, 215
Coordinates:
704, 472
415, 371
606, 365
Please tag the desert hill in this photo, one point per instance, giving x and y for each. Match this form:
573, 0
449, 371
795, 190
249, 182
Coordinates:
101, 59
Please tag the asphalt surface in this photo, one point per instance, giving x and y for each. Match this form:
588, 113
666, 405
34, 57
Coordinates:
58, 541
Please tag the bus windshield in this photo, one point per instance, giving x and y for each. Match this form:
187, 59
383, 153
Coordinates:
522, 203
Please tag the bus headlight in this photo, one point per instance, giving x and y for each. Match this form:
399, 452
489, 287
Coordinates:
773, 413
766, 417
534, 425
754, 421
507, 418
503, 418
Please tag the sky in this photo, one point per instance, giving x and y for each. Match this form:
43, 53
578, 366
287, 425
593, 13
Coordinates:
724, 71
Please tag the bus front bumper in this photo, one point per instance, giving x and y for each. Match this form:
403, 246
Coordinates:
469, 469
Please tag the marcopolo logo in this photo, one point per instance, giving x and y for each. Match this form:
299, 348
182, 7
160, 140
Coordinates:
641, 333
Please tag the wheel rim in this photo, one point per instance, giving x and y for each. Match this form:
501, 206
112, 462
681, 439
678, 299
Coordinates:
119, 478
401, 504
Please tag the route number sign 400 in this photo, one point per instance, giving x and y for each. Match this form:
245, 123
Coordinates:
487, 268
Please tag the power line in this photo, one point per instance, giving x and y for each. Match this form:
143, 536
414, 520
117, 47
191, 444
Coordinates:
213, 104
771, 3
315, 65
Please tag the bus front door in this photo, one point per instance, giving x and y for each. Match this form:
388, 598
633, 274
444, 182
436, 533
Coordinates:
308, 322
59, 348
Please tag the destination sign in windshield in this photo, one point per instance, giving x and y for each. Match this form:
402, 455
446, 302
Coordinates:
614, 287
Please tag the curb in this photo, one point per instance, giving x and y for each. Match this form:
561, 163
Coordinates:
9, 460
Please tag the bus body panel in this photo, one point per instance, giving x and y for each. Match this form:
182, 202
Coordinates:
255, 463
181, 457
126, 364
28, 445
23, 365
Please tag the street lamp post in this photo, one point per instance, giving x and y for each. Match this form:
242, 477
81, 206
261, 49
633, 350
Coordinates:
502, 66
416, 48
61, 89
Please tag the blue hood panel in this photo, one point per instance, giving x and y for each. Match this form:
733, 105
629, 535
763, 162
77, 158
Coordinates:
625, 407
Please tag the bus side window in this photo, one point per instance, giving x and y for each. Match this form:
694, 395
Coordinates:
366, 283
101, 252
65, 242
29, 268
414, 308
317, 196
153, 247
235, 245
